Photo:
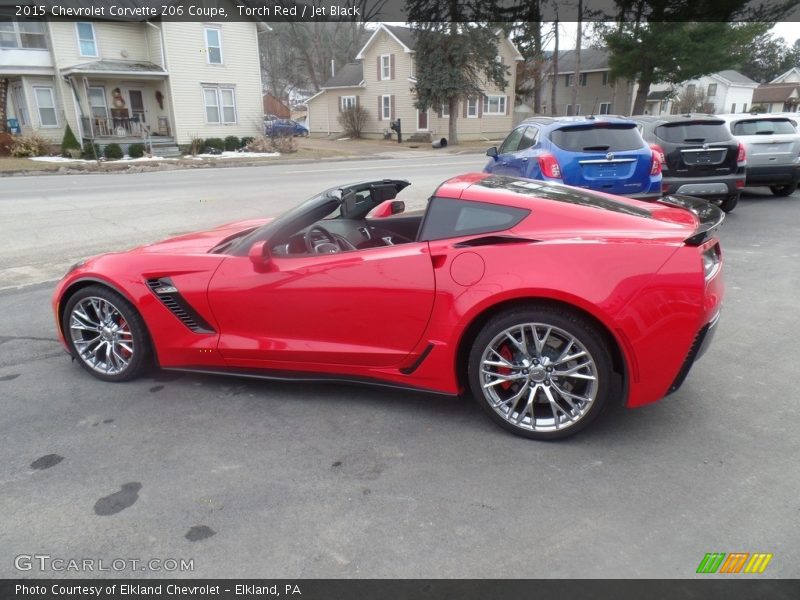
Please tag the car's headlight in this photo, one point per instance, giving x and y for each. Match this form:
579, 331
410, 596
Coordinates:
711, 261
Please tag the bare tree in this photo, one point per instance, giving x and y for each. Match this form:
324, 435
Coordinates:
693, 99
577, 73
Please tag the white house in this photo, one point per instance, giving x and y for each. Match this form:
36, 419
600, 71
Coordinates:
127, 81
727, 91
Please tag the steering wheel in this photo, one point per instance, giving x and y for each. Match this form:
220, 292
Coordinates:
316, 236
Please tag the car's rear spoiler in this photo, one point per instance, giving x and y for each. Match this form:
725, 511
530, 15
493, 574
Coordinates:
709, 215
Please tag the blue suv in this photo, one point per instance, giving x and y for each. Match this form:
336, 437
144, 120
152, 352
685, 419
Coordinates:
601, 153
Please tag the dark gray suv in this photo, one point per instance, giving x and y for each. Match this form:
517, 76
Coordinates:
699, 156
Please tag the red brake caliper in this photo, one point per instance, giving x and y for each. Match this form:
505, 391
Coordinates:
505, 353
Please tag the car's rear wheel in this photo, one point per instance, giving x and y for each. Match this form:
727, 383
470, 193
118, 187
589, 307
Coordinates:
783, 190
729, 203
106, 334
542, 373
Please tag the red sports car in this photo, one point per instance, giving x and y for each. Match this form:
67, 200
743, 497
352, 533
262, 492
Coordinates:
546, 301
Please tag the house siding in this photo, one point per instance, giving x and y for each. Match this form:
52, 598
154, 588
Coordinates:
592, 95
115, 41
189, 71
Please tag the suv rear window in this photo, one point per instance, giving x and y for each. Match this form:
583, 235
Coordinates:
763, 127
694, 131
602, 138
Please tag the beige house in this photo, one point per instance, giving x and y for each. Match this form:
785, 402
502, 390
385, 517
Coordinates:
382, 81
129, 82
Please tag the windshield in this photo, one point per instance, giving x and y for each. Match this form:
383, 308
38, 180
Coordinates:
694, 132
598, 138
763, 127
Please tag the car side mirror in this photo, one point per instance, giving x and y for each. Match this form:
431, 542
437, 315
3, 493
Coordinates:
492, 152
387, 208
260, 256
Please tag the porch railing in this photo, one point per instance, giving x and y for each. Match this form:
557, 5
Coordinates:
99, 127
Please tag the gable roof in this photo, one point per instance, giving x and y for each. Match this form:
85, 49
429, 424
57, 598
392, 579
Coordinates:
775, 92
735, 77
782, 77
592, 59
407, 38
350, 75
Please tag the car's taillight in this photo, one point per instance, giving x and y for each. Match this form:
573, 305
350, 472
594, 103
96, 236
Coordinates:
712, 258
659, 152
549, 166
655, 164
741, 158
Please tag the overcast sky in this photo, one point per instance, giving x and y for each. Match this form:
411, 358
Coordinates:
568, 31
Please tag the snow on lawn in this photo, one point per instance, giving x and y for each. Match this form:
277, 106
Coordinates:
127, 159
238, 155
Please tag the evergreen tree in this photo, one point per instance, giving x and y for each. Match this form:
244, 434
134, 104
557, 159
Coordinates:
69, 142
456, 53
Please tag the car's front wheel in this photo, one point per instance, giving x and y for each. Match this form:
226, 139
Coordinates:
542, 373
783, 190
106, 334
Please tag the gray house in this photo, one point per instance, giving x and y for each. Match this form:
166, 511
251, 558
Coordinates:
597, 92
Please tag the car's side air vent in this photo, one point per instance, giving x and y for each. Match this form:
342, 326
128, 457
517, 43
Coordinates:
166, 291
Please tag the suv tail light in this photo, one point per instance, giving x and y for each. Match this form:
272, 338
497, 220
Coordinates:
655, 165
659, 152
741, 158
549, 166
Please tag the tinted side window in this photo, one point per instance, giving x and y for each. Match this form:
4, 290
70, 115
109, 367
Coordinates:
763, 127
602, 139
512, 141
697, 131
528, 138
448, 218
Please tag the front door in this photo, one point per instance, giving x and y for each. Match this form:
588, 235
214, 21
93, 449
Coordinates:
137, 105
359, 308
422, 120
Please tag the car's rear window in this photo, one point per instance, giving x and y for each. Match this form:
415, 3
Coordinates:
763, 127
592, 138
447, 217
694, 131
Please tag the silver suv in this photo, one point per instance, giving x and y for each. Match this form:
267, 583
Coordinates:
773, 150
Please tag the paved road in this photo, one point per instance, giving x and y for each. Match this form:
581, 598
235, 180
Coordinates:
49, 222
336, 481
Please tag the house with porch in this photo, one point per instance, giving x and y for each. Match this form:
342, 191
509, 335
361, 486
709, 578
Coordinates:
382, 80
147, 82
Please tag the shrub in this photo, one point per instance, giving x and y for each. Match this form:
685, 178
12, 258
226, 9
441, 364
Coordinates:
196, 146
260, 143
353, 120
70, 142
30, 145
231, 143
245, 141
757, 108
91, 151
113, 152
215, 144
284, 144
136, 150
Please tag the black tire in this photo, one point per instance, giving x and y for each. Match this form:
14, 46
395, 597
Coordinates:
729, 203
564, 324
783, 190
126, 329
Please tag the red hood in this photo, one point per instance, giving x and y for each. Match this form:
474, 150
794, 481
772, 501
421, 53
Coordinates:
201, 242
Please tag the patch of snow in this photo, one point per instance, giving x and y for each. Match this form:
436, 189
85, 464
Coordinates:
126, 159
240, 155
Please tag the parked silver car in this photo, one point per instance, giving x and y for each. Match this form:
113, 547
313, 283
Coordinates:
772, 143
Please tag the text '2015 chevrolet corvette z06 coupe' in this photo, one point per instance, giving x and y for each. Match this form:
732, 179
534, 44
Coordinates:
546, 302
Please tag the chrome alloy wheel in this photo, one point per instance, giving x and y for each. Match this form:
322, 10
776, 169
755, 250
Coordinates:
538, 377
101, 335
